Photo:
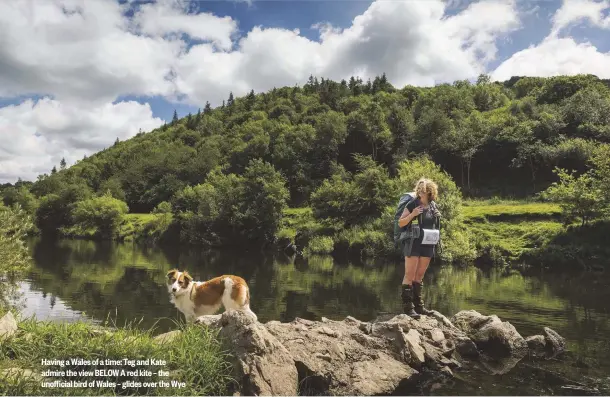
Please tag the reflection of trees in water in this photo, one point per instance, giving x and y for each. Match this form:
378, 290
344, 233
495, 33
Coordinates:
99, 278
125, 283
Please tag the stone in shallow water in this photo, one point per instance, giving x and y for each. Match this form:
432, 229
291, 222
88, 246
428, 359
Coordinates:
495, 337
536, 345
554, 341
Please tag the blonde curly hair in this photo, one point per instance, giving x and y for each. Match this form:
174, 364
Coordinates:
426, 186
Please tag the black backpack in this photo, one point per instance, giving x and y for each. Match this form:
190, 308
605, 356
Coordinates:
405, 199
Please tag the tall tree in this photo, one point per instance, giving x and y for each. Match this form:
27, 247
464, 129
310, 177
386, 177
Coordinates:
208, 108
250, 99
62, 164
467, 139
175, 118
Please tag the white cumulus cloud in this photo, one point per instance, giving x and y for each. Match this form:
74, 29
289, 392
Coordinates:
173, 16
574, 11
36, 135
556, 55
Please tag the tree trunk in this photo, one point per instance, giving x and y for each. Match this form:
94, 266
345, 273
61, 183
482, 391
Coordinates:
462, 170
533, 173
468, 171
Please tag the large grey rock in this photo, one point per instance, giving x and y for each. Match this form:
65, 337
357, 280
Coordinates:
493, 336
8, 325
263, 365
339, 358
351, 357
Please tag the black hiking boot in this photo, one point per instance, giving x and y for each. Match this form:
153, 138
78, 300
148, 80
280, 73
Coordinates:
407, 301
418, 301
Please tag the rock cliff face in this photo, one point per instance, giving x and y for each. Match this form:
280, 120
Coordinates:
386, 356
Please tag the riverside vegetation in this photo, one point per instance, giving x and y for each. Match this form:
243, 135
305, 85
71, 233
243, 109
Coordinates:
320, 168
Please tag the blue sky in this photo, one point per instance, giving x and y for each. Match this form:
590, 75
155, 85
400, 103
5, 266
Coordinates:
73, 79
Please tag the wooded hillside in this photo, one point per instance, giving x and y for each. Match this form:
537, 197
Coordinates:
242, 163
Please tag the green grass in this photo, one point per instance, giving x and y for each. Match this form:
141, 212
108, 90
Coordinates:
504, 230
196, 357
510, 210
133, 227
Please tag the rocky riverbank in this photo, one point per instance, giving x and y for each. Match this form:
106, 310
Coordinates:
393, 354
389, 355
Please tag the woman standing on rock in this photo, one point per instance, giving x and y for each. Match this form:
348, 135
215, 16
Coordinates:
421, 221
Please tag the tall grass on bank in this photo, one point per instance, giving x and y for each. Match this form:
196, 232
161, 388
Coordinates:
195, 357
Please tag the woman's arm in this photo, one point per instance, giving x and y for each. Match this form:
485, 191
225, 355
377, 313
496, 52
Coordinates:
405, 218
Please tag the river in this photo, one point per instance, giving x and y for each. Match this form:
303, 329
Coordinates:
75, 279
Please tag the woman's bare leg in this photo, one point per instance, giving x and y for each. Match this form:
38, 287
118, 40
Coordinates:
411, 265
421, 268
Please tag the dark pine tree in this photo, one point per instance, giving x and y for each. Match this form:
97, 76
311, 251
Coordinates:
191, 122
208, 107
175, 118
250, 99
54, 170
62, 163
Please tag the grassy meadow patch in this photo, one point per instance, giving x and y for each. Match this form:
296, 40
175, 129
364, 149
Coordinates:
205, 370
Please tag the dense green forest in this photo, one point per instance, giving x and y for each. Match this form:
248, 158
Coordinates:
340, 151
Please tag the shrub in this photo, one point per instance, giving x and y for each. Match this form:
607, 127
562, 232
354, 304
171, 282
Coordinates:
14, 255
579, 197
163, 207
22, 196
358, 200
320, 245
231, 209
55, 209
103, 213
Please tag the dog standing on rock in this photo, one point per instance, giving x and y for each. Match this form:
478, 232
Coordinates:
200, 298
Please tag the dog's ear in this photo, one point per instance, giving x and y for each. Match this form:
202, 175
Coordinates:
187, 278
171, 273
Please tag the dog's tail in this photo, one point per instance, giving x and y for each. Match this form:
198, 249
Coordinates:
242, 289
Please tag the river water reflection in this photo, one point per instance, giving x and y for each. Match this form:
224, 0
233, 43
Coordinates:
75, 279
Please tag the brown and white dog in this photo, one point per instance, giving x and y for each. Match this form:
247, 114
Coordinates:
200, 298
